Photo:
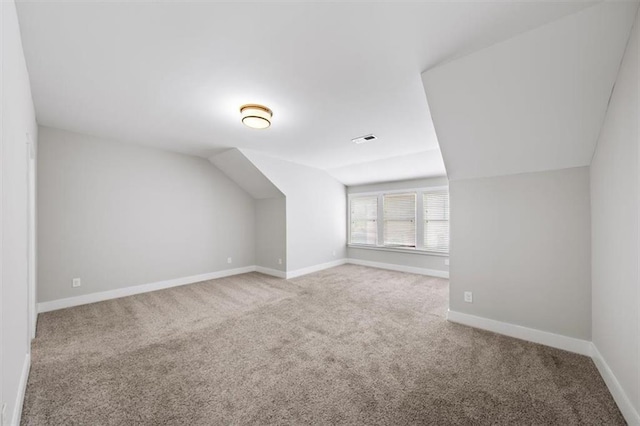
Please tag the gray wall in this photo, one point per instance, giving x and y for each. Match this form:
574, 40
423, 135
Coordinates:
522, 245
413, 260
614, 211
118, 215
18, 119
271, 233
315, 211
401, 184
416, 260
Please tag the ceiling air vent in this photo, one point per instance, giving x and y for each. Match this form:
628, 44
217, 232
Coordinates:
363, 139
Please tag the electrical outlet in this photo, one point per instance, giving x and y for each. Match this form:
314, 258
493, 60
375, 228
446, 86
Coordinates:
468, 297
229, 260
279, 261
446, 262
76, 282
334, 253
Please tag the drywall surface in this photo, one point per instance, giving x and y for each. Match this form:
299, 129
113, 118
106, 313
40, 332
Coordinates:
315, 212
242, 171
522, 245
534, 102
271, 233
412, 260
416, 165
415, 260
18, 120
614, 215
118, 215
436, 182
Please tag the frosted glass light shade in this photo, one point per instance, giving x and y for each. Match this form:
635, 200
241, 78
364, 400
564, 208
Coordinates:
256, 116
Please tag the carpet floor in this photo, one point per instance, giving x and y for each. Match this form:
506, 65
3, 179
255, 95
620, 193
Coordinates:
348, 345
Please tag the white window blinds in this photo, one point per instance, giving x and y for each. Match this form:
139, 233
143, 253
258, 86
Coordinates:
364, 224
436, 221
400, 220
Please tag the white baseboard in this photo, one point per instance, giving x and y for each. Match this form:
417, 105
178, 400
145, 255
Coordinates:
144, 288
272, 272
571, 344
22, 388
315, 268
160, 285
401, 268
619, 395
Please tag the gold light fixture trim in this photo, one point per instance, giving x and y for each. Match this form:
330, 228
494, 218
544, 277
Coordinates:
256, 116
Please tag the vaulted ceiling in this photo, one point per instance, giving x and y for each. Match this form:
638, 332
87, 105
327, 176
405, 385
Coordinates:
534, 102
173, 74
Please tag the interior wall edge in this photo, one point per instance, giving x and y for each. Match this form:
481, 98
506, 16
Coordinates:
619, 395
17, 411
571, 344
315, 268
400, 268
558, 341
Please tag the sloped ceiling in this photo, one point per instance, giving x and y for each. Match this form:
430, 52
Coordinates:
534, 102
424, 164
173, 74
239, 169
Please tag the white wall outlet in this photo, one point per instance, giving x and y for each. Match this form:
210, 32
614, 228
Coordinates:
229, 260
279, 261
468, 297
76, 282
446, 262
334, 253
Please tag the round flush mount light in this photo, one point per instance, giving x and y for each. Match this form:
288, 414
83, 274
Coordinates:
256, 116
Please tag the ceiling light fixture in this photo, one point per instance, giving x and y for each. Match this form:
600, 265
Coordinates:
256, 116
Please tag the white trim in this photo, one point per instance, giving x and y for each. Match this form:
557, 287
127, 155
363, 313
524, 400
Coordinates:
272, 272
624, 404
144, 288
400, 191
398, 250
571, 344
22, 388
315, 268
400, 268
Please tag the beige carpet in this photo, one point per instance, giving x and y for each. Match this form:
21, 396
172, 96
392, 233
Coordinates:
349, 345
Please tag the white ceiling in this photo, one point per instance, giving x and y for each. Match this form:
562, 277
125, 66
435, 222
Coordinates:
173, 75
408, 166
534, 102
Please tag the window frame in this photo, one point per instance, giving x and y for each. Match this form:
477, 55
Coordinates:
419, 248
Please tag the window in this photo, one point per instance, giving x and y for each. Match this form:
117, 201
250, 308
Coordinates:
364, 226
436, 221
410, 220
399, 220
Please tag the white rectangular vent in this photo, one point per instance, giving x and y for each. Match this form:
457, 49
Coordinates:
363, 139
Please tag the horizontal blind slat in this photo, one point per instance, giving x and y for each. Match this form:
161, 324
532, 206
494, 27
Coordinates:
364, 224
436, 224
400, 220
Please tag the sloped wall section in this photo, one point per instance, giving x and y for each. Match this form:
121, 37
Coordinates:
616, 239
532, 103
270, 209
518, 125
17, 120
316, 209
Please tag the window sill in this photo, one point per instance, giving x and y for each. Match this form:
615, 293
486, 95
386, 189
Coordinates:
399, 250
